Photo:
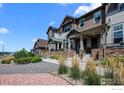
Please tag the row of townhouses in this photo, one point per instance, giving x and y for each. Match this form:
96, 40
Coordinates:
101, 27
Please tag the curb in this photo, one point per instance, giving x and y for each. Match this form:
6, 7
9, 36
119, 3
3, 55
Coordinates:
62, 78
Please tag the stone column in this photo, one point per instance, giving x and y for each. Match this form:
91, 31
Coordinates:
62, 45
81, 43
73, 43
54, 45
57, 46
69, 44
49, 47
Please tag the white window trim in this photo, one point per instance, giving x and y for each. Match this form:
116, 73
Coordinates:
117, 30
100, 17
84, 23
67, 27
119, 6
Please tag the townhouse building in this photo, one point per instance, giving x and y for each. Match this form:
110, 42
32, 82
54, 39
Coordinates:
40, 46
101, 27
114, 36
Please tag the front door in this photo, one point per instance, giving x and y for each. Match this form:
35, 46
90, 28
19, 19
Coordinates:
95, 42
59, 46
77, 45
56, 46
85, 43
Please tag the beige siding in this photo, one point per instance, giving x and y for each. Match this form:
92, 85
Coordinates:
115, 19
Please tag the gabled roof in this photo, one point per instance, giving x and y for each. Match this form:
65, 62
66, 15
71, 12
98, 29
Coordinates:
52, 28
40, 43
67, 16
72, 31
92, 11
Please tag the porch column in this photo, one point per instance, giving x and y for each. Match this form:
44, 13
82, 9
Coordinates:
81, 43
49, 47
57, 46
62, 45
74, 44
69, 44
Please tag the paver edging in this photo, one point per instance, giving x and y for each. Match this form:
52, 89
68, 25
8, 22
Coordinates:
62, 78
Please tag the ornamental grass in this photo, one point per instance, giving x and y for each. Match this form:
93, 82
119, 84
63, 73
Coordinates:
63, 69
90, 76
75, 69
114, 70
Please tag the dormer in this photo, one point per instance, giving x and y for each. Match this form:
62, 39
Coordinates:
68, 23
51, 31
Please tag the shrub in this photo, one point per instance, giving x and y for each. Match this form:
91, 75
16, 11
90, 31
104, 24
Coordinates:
109, 73
114, 70
91, 64
75, 69
24, 60
75, 73
7, 60
56, 56
90, 77
24, 57
104, 62
120, 58
36, 59
30, 54
21, 53
63, 69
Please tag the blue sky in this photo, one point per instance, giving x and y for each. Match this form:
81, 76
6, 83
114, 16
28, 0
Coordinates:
22, 24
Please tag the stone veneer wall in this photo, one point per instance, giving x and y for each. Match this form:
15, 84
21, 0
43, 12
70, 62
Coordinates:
50, 53
107, 52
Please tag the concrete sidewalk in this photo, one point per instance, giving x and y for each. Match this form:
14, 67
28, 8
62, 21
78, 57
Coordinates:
68, 62
54, 61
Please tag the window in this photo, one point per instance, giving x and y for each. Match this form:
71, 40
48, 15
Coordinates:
112, 7
118, 33
68, 28
121, 7
97, 17
51, 34
81, 23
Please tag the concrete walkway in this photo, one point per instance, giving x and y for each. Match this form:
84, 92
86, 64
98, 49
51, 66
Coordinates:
30, 74
68, 62
49, 60
41, 67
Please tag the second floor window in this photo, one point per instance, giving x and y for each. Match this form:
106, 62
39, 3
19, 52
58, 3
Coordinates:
97, 17
68, 28
118, 33
81, 23
51, 34
122, 7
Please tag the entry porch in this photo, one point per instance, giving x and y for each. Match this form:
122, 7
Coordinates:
85, 40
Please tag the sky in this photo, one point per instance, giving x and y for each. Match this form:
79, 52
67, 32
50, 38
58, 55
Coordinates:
22, 23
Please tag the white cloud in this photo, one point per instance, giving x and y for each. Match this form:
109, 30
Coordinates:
86, 8
34, 40
95, 5
64, 4
53, 22
4, 30
1, 42
1, 5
